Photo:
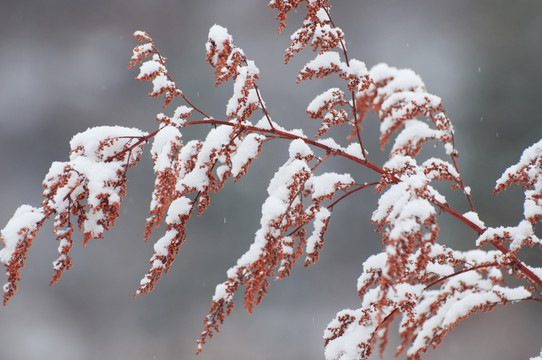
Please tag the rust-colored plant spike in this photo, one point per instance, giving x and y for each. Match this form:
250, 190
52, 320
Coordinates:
429, 286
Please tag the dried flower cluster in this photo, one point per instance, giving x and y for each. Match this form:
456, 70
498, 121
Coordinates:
430, 287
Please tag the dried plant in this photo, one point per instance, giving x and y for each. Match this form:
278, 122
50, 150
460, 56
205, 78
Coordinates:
429, 286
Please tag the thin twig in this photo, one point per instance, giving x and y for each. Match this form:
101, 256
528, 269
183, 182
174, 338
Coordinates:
264, 109
444, 278
361, 187
461, 183
353, 94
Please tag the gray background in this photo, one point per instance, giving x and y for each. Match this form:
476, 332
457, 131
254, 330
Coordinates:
63, 68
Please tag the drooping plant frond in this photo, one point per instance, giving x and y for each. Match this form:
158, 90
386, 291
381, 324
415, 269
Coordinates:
429, 287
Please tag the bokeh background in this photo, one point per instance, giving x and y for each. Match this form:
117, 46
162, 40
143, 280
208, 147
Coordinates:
63, 68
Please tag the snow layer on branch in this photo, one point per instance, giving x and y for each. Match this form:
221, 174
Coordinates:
263, 123
400, 205
374, 265
473, 216
330, 143
142, 35
181, 114
161, 83
91, 162
459, 296
178, 207
221, 292
198, 179
460, 304
326, 100
24, 221
519, 236
162, 145
414, 133
327, 34
246, 151
528, 171
346, 333
91, 142
142, 50
151, 68
96, 159
244, 99
161, 248
219, 35
399, 96
326, 184
299, 147
320, 222
525, 165
356, 69
164, 249
277, 203
354, 149
410, 101
403, 79
327, 60
59, 199
438, 169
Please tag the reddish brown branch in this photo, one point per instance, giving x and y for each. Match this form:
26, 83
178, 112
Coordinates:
264, 109
193, 106
444, 207
354, 111
525, 270
461, 183
444, 278
286, 135
361, 187
138, 142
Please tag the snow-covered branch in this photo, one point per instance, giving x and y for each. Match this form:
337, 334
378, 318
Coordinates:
428, 286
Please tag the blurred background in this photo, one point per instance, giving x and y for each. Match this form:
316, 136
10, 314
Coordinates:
63, 68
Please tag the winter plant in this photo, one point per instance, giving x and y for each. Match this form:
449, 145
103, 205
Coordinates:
428, 286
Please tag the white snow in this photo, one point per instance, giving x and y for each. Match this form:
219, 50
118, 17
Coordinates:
219, 35
181, 113
327, 183
246, 151
356, 68
178, 207
141, 49
472, 216
220, 292
414, 131
92, 159
161, 83
90, 141
330, 143
326, 60
299, 147
150, 68
239, 101
25, 220
320, 219
197, 178
354, 149
326, 100
142, 34
162, 147
345, 347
